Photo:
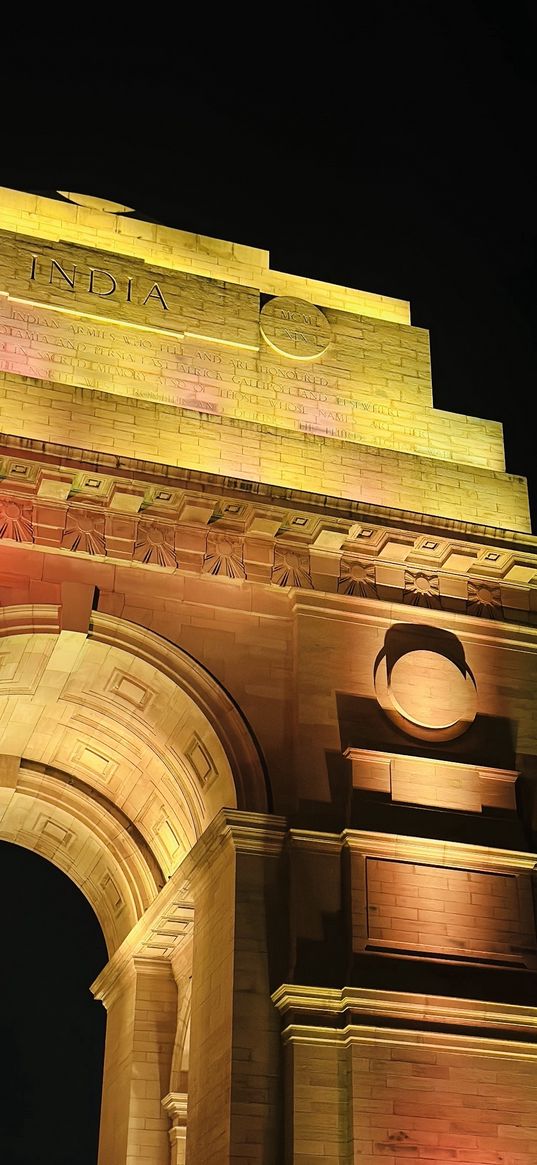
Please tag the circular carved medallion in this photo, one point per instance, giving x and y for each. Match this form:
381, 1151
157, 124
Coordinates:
424, 684
294, 328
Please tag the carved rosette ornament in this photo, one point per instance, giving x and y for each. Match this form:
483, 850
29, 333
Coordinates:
422, 590
484, 600
84, 531
15, 521
357, 578
154, 545
224, 556
291, 569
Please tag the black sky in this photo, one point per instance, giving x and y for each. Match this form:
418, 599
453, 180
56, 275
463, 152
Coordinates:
390, 148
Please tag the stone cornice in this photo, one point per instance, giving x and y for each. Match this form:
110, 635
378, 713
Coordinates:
72, 461
124, 511
402, 1007
175, 1104
492, 632
353, 1035
399, 847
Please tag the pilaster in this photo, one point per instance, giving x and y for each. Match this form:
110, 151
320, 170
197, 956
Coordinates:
141, 1002
175, 1104
374, 1075
235, 1038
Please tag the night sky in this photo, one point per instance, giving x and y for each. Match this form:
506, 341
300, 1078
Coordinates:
398, 158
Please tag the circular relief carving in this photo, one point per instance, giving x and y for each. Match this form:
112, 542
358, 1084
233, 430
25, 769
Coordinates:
295, 328
423, 683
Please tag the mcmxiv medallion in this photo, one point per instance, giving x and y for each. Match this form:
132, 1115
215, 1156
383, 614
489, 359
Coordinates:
295, 329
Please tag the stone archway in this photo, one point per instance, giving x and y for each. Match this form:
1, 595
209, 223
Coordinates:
117, 751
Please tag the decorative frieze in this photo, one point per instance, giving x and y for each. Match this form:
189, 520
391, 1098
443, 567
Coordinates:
183, 529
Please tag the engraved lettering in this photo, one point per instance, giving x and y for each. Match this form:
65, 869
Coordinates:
99, 271
296, 318
155, 293
54, 265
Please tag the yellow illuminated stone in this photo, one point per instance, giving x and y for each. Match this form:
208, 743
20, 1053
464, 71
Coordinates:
92, 203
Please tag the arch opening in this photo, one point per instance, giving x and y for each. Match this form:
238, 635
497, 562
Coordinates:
51, 1031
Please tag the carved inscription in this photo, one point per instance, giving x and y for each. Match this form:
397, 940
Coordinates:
81, 281
322, 398
107, 357
294, 328
80, 316
110, 358
95, 281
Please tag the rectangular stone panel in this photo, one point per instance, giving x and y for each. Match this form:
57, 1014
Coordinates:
414, 780
448, 912
443, 786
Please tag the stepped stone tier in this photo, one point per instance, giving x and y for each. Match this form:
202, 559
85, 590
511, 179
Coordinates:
268, 668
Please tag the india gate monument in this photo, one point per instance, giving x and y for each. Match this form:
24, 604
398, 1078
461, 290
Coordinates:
268, 663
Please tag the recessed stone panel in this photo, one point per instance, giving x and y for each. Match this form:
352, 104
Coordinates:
449, 913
